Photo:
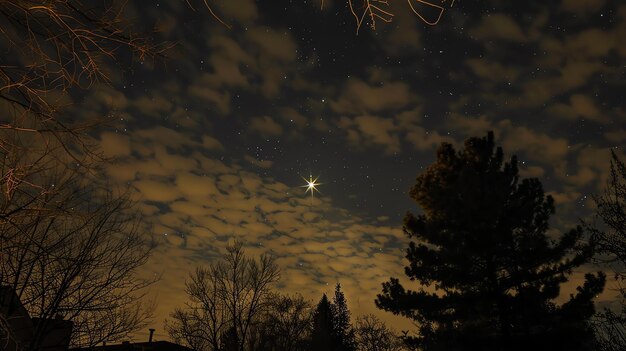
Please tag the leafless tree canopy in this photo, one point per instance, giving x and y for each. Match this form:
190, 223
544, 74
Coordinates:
226, 299
50, 48
610, 237
373, 335
70, 248
286, 324
57, 45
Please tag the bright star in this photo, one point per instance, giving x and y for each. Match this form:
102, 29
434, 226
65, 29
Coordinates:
311, 185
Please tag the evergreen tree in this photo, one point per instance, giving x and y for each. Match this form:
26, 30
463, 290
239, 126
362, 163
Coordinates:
488, 271
343, 328
323, 336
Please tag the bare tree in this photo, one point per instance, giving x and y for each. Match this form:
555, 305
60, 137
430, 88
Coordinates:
67, 251
609, 237
370, 12
286, 324
204, 320
71, 250
373, 335
226, 300
57, 45
51, 48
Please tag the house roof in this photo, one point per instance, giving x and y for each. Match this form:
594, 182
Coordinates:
139, 346
55, 333
17, 318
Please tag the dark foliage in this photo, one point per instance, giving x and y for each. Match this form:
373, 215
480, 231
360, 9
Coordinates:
489, 272
343, 328
332, 330
323, 335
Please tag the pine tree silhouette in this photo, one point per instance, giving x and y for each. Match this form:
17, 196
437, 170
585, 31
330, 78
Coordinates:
343, 328
488, 271
332, 330
323, 336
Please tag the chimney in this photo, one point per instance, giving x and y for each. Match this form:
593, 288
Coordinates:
151, 334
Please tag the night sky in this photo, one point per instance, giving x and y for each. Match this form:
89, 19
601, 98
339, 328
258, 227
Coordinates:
217, 137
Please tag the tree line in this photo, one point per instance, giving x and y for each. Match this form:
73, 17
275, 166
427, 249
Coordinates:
487, 273
232, 306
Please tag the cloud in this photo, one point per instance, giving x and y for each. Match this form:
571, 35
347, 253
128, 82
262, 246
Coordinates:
582, 7
192, 185
493, 71
579, 106
107, 98
538, 66
259, 163
153, 190
226, 73
498, 27
259, 61
156, 105
218, 98
292, 116
616, 137
533, 144
531, 171
371, 130
265, 126
359, 96
114, 144
426, 140
211, 143
242, 12
403, 34
164, 136
471, 126
273, 44
591, 168
578, 46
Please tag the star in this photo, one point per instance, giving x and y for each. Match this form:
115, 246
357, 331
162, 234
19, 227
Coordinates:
311, 185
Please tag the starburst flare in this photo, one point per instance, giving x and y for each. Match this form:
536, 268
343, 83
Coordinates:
311, 185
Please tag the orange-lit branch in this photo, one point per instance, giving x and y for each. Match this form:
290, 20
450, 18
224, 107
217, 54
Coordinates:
438, 8
210, 9
59, 45
372, 10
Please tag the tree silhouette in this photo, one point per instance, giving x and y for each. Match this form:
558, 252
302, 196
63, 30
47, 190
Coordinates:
610, 238
227, 299
488, 271
341, 316
331, 324
286, 325
74, 253
373, 335
323, 336
68, 248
